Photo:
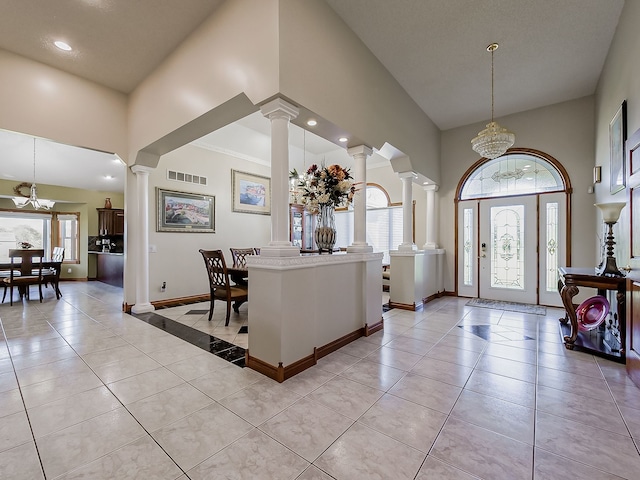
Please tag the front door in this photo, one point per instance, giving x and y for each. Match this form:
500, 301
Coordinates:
508, 244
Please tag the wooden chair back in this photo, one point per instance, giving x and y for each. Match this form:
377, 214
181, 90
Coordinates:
239, 256
26, 272
219, 284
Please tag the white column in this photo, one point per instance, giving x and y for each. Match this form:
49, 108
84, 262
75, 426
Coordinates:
407, 212
141, 252
360, 154
432, 233
280, 113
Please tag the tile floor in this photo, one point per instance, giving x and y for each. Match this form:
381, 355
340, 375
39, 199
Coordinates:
87, 392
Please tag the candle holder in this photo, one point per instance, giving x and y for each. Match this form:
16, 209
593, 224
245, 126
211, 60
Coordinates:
610, 216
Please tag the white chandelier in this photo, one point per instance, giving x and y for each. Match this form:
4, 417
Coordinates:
32, 199
494, 140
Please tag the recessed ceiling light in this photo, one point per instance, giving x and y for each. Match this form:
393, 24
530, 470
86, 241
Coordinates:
108, 177
62, 45
343, 139
312, 123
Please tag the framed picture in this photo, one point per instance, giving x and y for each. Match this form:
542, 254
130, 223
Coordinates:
617, 137
185, 212
251, 193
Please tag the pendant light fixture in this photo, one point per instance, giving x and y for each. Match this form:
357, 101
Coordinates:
494, 140
32, 199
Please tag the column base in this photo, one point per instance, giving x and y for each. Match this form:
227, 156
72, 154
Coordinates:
280, 250
407, 247
360, 248
142, 308
430, 246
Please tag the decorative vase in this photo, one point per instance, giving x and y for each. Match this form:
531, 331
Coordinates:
107, 203
325, 233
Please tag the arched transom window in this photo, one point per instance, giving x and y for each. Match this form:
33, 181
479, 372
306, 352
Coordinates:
517, 173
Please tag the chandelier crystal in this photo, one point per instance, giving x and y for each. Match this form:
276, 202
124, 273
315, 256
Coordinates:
494, 140
32, 199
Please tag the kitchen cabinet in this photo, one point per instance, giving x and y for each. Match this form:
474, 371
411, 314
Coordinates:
110, 221
110, 268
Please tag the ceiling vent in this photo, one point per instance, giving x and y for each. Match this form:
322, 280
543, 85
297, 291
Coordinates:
186, 177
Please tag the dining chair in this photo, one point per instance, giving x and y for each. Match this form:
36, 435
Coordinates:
52, 273
220, 287
25, 273
239, 256
257, 250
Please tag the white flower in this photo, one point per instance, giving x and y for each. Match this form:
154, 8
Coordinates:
324, 198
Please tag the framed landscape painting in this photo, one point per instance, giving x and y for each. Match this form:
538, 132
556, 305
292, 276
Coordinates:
617, 137
185, 212
250, 193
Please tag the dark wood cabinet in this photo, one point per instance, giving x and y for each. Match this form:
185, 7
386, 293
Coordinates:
110, 268
301, 225
110, 221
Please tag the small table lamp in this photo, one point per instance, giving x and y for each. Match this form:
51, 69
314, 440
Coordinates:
610, 215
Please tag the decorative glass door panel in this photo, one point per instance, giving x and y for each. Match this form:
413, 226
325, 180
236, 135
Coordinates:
553, 232
508, 243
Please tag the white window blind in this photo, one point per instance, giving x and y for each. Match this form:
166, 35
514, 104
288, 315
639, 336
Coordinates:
384, 229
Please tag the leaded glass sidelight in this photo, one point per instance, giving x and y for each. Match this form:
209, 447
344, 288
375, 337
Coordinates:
552, 247
467, 229
507, 247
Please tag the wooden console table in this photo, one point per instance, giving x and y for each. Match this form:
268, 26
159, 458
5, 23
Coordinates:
570, 279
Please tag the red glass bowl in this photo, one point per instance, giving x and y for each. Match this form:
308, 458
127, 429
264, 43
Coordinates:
592, 312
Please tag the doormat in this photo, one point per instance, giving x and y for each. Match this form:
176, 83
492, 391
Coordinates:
509, 306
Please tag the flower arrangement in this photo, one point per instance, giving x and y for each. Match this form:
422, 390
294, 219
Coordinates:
330, 186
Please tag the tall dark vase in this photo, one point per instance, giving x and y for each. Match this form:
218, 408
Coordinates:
325, 233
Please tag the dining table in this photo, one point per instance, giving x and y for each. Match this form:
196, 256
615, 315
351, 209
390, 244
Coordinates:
5, 268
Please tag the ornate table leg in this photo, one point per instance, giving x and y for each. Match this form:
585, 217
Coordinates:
567, 293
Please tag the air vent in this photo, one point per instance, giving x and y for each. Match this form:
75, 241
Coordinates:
186, 177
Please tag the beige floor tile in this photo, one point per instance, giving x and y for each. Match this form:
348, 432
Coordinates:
68, 449
394, 358
356, 454
427, 392
346, 396
512, 353
337, 362
580, 409
127, 367
14, 430
141, 459
58, 388
482, 452
405, 421
616, 453
314, 473
253, 457
197, 365
505, 388
308, 380
307, 428
595, 388
410, 345
42, 357
508, 368
443, 371
500, 416
21, 463
547, 466
374, 374
10, 402
144, 385
200, 435
260, 401
111, 355
225, 381
434, 469
68, 411
49, 371
166, 407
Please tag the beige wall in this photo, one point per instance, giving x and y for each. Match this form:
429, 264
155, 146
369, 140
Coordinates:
564, 131
620, 80
326, 68
46, 102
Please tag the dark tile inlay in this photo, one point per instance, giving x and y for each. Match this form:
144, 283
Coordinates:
485, 332
244, 329
228, 351
197, 312
386, 307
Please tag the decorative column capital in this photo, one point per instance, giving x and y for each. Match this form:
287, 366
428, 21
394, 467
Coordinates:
431, 188
141, 169
279, 108
358, 150
409, 175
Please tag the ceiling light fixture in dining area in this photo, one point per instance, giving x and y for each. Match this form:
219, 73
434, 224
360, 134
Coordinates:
31, 199
494, 140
